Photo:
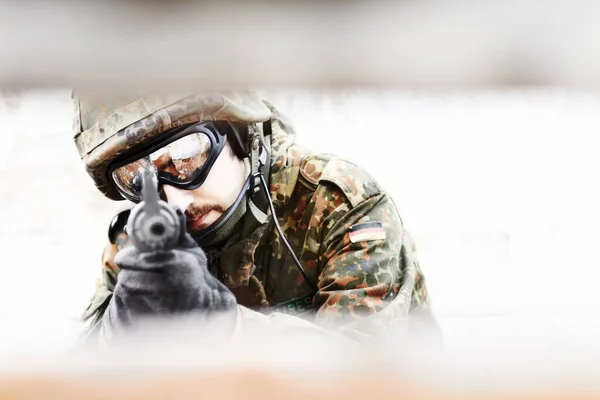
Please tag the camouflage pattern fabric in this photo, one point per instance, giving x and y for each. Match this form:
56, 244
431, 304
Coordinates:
346, 232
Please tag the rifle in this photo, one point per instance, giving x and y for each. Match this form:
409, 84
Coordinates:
153, 224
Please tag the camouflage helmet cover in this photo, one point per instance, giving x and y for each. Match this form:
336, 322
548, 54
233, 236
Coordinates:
105, 127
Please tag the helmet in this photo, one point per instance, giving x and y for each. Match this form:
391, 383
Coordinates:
106, 127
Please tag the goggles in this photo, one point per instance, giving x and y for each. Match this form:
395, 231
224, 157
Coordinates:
183, 159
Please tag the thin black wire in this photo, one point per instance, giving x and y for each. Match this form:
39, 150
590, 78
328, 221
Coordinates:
272, 207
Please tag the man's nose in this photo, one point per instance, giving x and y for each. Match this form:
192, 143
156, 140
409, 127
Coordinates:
178, 197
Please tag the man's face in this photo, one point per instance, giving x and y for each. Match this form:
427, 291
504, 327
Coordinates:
205, 204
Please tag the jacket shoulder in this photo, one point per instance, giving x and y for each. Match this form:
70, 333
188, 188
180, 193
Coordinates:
356, 184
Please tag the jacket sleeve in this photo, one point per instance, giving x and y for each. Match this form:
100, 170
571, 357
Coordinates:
369, 279
93, 317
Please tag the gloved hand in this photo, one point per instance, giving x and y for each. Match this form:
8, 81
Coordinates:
165, 284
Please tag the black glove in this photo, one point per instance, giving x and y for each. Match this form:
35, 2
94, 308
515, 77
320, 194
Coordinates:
167, 284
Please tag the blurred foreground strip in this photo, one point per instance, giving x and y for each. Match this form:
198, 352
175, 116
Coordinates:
300, 44
224, 385
187, 360
234, 385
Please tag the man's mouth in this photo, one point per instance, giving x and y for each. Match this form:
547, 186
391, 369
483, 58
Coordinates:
198, 222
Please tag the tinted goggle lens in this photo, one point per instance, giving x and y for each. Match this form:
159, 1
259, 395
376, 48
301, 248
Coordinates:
179, 162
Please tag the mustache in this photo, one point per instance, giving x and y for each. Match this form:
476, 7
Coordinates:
194, 211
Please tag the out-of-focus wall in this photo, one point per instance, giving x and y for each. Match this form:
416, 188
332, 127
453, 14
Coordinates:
498, 189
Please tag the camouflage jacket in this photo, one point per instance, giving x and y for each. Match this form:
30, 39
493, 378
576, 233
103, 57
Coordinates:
345, 231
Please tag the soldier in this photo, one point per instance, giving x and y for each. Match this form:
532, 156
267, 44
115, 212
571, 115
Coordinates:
272, 229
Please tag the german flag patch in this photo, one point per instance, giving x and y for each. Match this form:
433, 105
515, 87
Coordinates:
367, 231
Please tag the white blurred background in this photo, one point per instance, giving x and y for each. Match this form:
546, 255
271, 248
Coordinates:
498, 188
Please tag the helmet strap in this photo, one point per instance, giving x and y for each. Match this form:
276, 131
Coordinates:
259, 163
222, 228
